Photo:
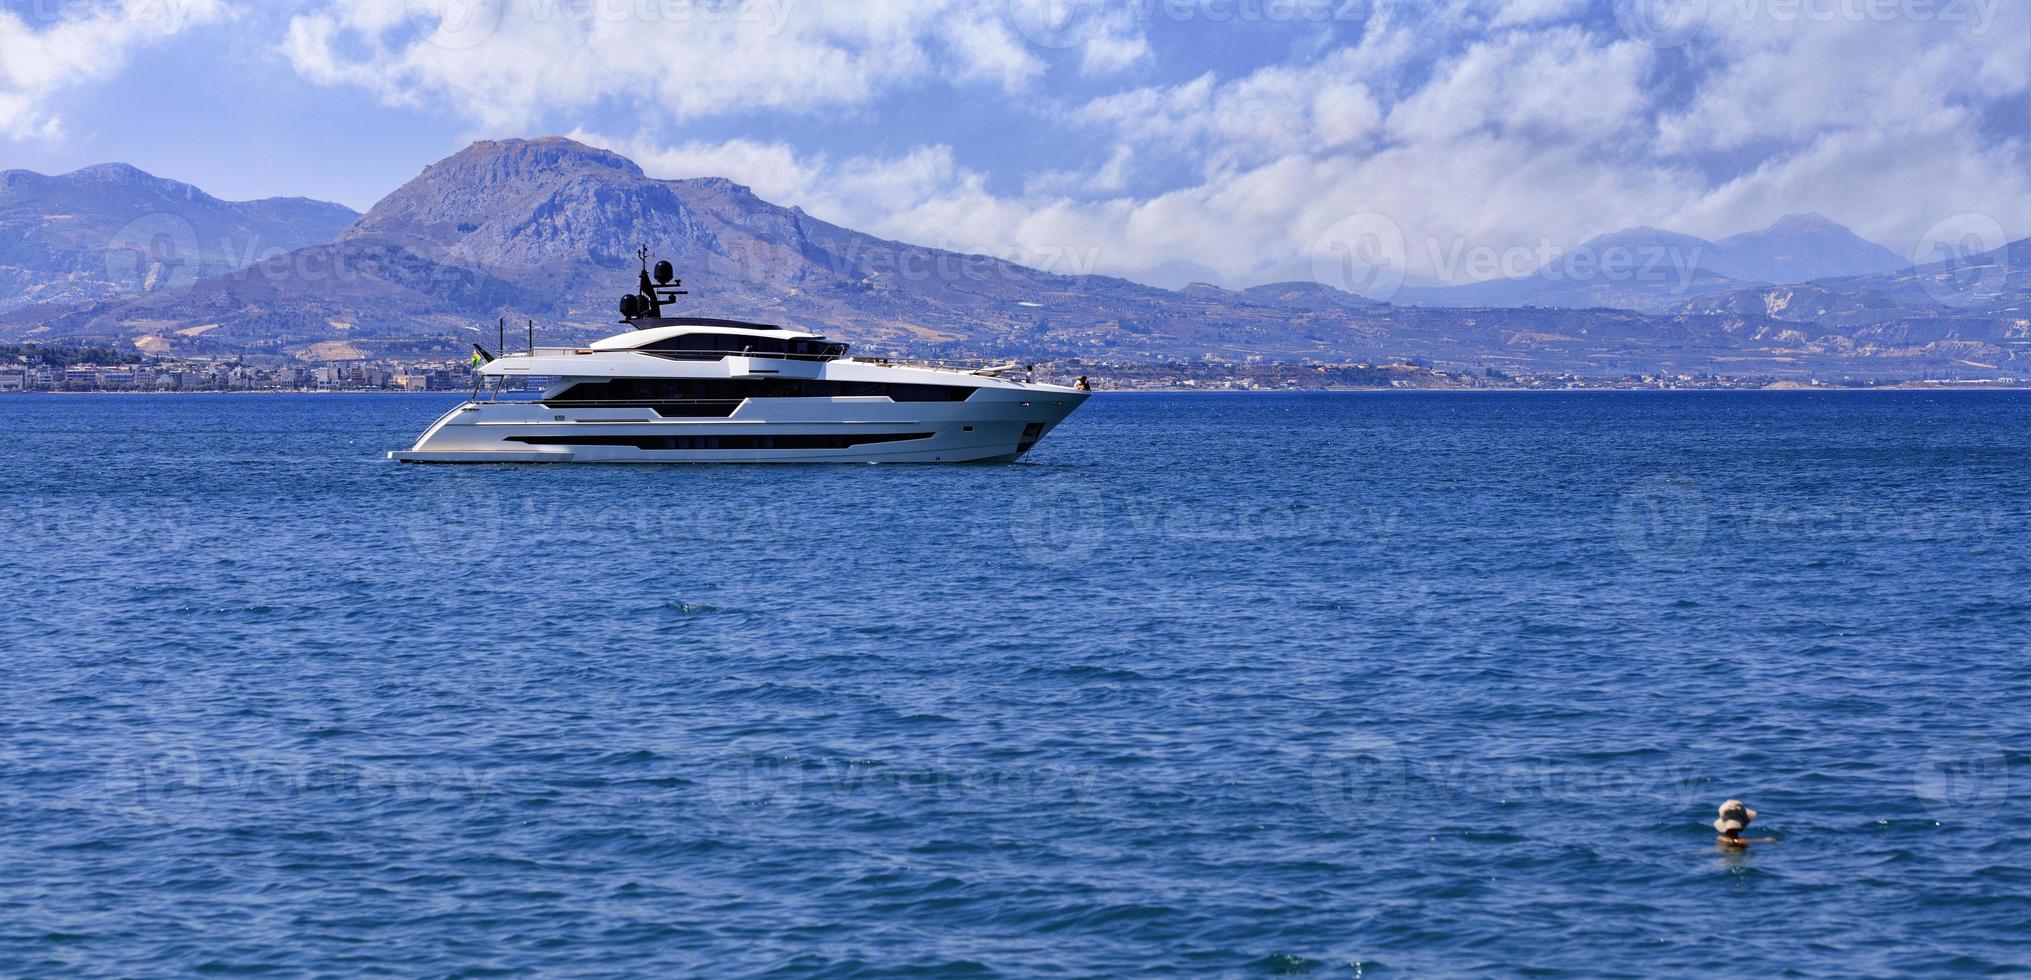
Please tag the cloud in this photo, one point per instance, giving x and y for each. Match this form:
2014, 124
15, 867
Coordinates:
878, 194
1469, 124
51, 47
511, 63
1560, 84
1786, 81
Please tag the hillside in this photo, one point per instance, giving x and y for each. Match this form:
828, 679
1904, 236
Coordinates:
112, 229
547, 229
1994, 286
1657, 271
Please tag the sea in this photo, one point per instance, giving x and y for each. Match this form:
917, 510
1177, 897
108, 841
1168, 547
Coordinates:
1333, 684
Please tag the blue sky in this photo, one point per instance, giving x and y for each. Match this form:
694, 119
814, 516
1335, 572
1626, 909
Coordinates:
1223, 140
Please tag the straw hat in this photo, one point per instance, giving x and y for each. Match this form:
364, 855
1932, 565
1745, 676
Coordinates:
1735, 815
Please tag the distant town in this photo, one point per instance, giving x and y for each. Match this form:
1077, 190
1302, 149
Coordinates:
31, 367
54, 368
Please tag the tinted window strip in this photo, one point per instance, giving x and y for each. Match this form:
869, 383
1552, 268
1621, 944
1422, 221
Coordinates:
639, 390
742, 442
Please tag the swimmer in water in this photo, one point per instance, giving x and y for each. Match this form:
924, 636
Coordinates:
1736, 817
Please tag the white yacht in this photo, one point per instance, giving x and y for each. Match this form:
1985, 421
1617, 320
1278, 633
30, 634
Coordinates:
686, 389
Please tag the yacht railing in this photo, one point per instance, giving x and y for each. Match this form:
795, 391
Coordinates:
685, 355
963, 367
636, 402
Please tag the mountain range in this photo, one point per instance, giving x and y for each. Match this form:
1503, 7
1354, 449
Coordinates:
112, 229
546, 230
1995, 284
1653, 270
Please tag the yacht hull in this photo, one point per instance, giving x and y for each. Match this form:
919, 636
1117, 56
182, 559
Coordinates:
993, 425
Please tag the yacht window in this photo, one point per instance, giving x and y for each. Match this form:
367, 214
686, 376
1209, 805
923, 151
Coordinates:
769, 441
714, 346
646, 392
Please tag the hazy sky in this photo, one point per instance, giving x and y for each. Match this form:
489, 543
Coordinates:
1225, 138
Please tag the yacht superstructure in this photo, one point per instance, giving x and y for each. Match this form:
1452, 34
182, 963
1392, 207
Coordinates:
695, 389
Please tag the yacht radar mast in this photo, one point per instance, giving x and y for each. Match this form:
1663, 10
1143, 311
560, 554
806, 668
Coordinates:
649, 297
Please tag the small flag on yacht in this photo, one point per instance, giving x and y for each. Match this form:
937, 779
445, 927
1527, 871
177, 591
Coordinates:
480, 355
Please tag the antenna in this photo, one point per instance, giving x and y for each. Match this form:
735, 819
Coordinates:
501, 335
532, 338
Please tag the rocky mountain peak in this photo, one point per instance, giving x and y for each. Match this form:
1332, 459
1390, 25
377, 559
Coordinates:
488, 182
1807, 221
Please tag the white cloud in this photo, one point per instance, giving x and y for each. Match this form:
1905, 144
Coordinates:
1790, 81
1468, 123
1559, 84
53, 47
522, 60
1539, 135
1256, 119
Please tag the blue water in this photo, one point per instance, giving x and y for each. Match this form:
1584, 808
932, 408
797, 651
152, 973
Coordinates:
1352, 685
